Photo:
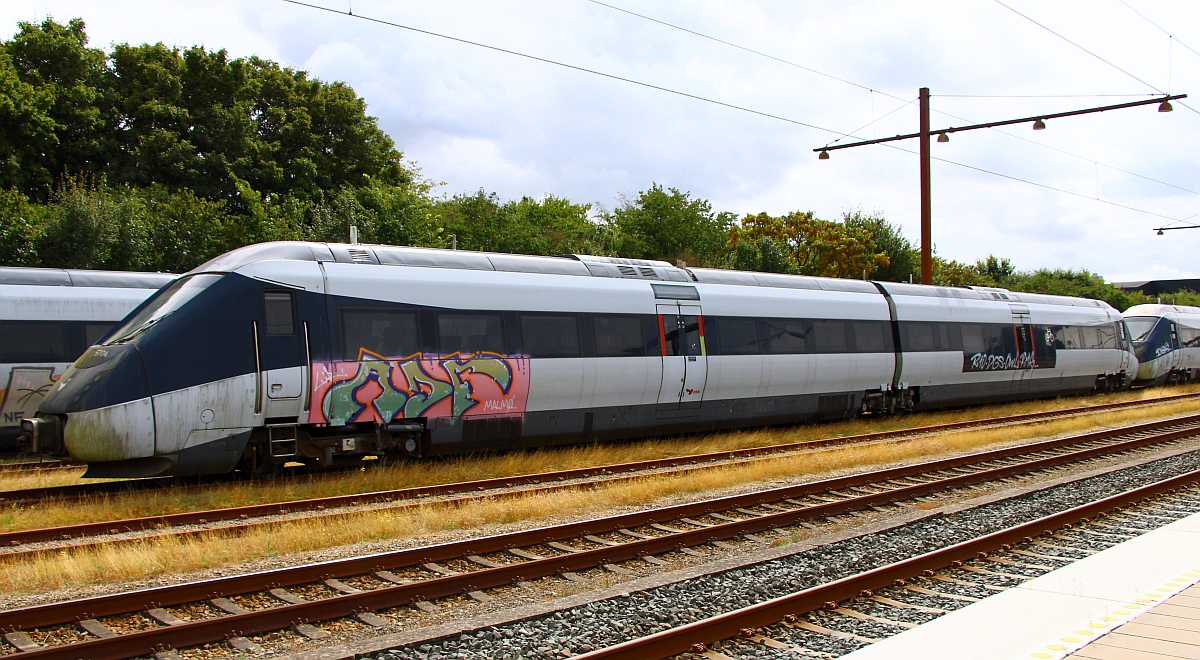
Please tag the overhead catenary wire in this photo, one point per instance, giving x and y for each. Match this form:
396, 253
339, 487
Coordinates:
668, 90
1060, 36
893, 96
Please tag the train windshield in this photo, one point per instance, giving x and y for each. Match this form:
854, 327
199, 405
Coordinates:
162, 305
1140, 326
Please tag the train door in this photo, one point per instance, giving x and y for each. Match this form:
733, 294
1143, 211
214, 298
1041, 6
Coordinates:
1026, 355
284, 359
685, 366
1176, 347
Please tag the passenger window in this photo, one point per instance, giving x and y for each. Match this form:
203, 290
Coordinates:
550, 335
618, 336
787, 336
918, 337
682, 334
736, 336
1068, 337
830, 335
869, 337
470, 332
972, 338
391, 334
278, 307
34, 342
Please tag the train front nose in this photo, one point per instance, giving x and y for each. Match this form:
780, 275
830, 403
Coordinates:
101, 412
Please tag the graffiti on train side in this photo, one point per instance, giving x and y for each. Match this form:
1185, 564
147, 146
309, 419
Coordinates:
376, 388
27, 386
1005, 362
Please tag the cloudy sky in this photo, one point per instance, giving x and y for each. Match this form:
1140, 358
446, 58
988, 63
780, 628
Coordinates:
476, 118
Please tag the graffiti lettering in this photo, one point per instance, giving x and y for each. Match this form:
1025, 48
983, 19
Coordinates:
988, 362
27, 386
383, 389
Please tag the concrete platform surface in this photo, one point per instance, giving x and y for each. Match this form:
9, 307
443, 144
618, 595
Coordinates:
1083, 610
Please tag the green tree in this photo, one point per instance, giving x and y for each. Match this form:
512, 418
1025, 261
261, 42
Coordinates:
903, 258
668, 224
61, 78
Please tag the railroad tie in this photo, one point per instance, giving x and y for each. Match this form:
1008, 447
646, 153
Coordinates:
480, 596
812, 627
664, 528
930, 592
524, 554
244, 645
96, 629
439, 569
164, 617
613, 568
564, 547
722, 545
654, 561
721, 516
984, 571
373, 620
691, 552
426, 606
964, 583
484, 562
601, 541
168, 654
22, 641
227, 606
341, 587
573, 577
310, 631
636, 535
388, 576
286, 596
855, 614
697, 523
908, 606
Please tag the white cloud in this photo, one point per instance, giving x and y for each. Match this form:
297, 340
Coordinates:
481, 119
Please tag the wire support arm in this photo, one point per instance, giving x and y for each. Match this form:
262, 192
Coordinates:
1006, 122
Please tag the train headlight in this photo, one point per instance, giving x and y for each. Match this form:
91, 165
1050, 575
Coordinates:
29, 429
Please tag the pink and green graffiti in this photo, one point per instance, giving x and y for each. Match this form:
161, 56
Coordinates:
382, 389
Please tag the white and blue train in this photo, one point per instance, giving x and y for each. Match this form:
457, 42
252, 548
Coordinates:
1167, 341
48, 318
323, 353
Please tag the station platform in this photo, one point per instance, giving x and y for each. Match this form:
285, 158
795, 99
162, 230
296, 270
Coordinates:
1137, 599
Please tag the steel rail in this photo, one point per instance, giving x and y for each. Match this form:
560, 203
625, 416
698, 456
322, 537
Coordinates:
85, 490
210, 630
97, 529
731, 624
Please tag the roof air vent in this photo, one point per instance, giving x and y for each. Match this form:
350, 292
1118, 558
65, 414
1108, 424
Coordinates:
359, 255
647, 272
627, 271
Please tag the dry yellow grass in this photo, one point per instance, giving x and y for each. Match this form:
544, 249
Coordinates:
386, 477
173, 555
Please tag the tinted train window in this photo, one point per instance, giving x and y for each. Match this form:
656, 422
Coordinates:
1189, 337
382, 332
94, 332
682, 334
470, 332
917, 336
988, 338
788, 335
278, 308
618, 336
36, 341
550, 335
872, 337
735, 336
1068, 337
830, 336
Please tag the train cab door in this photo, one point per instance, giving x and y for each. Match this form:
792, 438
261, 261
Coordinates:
685, 365
1026, 354
283, 354
1176, 348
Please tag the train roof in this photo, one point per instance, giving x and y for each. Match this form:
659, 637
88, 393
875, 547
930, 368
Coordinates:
1161, 310
109, 279
595, 266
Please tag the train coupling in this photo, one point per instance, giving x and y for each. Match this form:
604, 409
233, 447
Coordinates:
43, 434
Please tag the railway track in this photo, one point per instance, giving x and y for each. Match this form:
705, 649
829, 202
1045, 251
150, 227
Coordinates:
1013, 555
96, 534
81, 491
357, 587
